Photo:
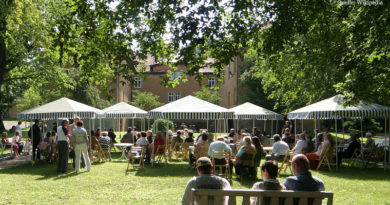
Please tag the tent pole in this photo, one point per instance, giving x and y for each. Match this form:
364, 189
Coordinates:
207, 124
295, 130
90, 139
148, 123
238, 126
265, 122
166, 142
384, 163
335, 125
343, 126
253, 125
272, 127
301, 125
32, 145
277, 126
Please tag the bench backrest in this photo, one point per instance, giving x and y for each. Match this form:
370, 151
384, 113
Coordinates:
214, 197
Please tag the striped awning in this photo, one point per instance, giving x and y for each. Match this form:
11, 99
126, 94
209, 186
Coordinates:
333, 108
191, 108
124, 110
249, 111
59, 109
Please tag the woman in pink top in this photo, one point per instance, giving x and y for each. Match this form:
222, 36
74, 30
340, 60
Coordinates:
16, 141
315, 156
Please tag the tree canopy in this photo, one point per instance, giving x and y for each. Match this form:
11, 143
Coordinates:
304, 51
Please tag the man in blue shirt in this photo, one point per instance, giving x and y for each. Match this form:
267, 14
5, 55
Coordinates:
302, 181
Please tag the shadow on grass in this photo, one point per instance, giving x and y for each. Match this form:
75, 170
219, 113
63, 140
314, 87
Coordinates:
169, 170
43, 170
378, 174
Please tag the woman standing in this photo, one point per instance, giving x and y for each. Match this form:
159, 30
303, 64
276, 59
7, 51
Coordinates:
79, 141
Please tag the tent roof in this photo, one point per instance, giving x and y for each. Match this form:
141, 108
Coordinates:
251, 111
191, 108
61, 108
124, 110
333, 108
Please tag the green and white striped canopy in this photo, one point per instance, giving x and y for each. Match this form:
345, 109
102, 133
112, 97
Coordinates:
61, 108
333, 108
124, 110
249, 111
191, 108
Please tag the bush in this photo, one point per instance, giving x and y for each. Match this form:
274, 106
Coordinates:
162, 125
369, 125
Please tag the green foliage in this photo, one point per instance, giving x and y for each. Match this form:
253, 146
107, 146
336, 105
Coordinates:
369, 125
145, 100
162, 125
209, 95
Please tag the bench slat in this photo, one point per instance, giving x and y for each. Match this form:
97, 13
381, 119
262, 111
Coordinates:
232, 200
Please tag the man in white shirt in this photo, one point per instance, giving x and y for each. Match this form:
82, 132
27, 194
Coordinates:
300, 145
279, 149
220, 146
144, 142
205, 180
63, 146
18, 127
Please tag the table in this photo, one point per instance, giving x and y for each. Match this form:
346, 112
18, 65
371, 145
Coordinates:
268, 150
123, 147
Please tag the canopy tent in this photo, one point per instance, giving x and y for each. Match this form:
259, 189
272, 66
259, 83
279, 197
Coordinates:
249, 111
61, 108
191, 108
124, 110
333, 108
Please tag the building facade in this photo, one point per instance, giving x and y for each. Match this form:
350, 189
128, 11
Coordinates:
150, 82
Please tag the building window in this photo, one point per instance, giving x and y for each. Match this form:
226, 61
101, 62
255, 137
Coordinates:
211, 82
173, 96
175, 75
137, 82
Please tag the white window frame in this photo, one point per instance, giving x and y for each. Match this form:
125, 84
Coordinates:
137, 82
211, 82
173, 96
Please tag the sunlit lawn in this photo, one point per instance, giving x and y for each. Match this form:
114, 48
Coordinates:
107, 183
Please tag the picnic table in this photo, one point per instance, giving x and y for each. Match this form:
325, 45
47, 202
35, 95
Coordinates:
123, 147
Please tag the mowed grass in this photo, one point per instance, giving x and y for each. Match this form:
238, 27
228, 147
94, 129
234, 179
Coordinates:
108, 183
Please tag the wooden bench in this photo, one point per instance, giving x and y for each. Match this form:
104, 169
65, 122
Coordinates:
214, 197
4, 146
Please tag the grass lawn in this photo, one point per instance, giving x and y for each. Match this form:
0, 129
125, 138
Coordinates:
108, 183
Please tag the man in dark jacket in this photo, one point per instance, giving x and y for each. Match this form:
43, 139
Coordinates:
36, 136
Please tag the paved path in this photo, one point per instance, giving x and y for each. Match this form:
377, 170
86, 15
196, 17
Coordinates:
8, 124
8, 163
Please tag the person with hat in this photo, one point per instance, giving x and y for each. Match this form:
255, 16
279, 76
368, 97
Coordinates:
205, 180
279, 149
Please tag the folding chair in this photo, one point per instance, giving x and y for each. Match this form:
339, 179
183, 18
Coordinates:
324, 160
374, 156
220, 167
136, 157
159, 155
177, 150
355, 157
103, 154
286, 163
185, 149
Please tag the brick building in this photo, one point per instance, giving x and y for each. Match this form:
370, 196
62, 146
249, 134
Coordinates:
229, 89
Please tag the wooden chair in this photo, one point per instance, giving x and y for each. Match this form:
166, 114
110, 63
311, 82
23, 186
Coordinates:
185, 149
374, 156
177, 150
355, 157
286, 163
160, 156
220, 167
324, 160
136, 157
5, 146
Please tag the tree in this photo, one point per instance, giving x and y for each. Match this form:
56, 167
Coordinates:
25, 52
209, 95
145, 100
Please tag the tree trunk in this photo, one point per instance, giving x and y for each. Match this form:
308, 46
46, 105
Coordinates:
2, 127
